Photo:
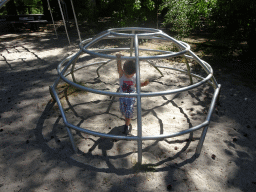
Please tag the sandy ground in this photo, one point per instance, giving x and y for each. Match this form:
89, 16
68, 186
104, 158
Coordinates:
36, 155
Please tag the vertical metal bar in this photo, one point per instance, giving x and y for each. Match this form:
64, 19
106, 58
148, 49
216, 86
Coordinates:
76, 21
131, 47
64, 22
188, 67
139, 123
208, 118
71, 139
49, 7
201, 141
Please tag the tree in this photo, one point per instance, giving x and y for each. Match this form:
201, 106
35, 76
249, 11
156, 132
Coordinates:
128, 12
185, 15
234, 18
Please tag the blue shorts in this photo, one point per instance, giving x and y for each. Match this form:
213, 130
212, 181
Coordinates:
127, 106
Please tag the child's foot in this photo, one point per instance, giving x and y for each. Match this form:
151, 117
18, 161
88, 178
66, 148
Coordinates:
126, 130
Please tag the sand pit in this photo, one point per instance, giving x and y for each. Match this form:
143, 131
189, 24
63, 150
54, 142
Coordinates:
36, 154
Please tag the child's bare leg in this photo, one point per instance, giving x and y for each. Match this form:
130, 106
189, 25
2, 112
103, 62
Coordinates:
127, 121
126, 126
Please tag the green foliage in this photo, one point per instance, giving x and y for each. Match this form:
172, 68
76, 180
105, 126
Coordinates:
185, 15
127, 12
85, 10
23, 7
132, 13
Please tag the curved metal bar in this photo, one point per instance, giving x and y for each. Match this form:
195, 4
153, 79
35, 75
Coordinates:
64, 21
124, 137
98, 134
177, 90
157, 66
205, 67
143, 94
213, 102
128, 49
85, 41
110, 50
215, 96
187, 131
183, 71
165, 56
140, 37
184, 46
54, 93
135, 29
136, 138
56, 82
125, 94
92, 42
137, 33
70, 60
148, 94
132, 35
153, 50
205, 123
172, 54
153, 31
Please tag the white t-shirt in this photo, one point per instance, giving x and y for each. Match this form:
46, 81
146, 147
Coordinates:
127, 85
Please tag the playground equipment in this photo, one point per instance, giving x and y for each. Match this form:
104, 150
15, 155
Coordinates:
67, 68
3, 2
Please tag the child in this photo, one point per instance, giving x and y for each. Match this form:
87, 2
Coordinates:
127, 82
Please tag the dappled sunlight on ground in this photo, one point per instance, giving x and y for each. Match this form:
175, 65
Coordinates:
36, 154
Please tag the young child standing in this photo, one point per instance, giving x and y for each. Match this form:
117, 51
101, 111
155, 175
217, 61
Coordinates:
127, 82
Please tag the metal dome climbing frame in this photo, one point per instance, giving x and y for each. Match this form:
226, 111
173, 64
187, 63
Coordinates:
68, 68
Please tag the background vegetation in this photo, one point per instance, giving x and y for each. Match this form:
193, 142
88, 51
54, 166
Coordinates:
227, 19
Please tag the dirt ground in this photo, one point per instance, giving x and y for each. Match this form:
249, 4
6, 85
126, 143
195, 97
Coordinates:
36, 155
